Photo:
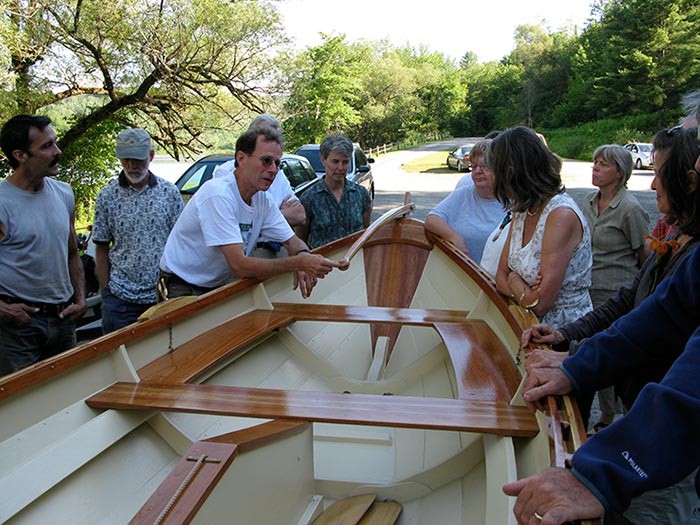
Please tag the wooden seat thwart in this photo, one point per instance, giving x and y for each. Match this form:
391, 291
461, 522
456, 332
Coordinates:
489, 417
195, 357
370, 314
483, 366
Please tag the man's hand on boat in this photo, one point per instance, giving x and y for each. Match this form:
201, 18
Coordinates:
552, 497
541, 358
314, 267
541, 334
542, 382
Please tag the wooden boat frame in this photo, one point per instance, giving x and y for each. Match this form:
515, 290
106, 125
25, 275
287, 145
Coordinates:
166, 382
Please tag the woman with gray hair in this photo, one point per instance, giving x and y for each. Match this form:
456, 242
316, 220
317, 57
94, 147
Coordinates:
335, 207
618, 224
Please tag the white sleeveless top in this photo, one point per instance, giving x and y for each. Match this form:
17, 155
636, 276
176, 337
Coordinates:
573, 300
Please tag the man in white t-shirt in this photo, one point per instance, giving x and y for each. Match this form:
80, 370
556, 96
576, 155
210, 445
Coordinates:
281, 192
212, 241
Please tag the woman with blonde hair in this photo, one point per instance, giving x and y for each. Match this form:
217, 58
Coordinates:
470, 213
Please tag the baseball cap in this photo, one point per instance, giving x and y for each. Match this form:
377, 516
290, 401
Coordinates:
133, 143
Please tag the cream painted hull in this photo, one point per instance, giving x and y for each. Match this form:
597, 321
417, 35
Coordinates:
63, 462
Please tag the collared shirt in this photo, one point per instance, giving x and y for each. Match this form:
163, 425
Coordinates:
616, 236
137, 223
330, 219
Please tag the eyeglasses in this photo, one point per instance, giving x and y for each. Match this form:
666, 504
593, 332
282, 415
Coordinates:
482, 166
267, 161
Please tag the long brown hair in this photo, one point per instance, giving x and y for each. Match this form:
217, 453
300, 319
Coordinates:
527, 173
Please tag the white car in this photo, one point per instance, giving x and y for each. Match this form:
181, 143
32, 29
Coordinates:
641, 154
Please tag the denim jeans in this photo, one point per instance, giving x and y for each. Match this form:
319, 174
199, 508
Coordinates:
43, 336
118, 313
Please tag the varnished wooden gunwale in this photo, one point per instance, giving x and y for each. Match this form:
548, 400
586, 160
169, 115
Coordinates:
396, 411
85, 353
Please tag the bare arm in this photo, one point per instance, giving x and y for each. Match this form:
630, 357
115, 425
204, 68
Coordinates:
439, 226
504, 270
102, 264
562, 233
311, 265
293, 211
77, 277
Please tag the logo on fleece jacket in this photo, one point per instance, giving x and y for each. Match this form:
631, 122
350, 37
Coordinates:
633, 464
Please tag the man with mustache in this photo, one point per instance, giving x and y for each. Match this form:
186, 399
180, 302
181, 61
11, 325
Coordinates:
134, 214
214, 238
42, 290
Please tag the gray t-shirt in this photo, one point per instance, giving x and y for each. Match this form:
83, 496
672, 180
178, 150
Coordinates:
34, 253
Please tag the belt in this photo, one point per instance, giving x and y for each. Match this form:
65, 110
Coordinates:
172, 278
270, 245
48, 309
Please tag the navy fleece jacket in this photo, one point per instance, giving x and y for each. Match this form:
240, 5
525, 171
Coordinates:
656, 443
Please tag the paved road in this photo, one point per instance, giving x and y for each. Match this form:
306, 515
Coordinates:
427, 189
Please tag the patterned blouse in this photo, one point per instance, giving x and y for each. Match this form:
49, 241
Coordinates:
330, 219
573, 300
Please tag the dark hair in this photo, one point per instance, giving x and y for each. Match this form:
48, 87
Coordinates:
680, 186
15, 134
527, 173
247, 142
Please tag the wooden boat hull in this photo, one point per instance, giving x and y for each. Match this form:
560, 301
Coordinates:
406, 365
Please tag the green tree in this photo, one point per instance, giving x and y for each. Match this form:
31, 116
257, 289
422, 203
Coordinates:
325, 87
640, 56
175, 68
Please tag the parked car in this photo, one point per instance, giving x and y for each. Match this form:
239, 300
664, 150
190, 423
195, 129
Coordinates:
641, 154
297, 169
459, 159
359, 170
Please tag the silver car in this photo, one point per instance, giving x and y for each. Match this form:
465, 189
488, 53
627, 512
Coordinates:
359, 170
459, 159
641, 154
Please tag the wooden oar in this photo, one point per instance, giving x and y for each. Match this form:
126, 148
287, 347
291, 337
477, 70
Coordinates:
387, 217
346, 512
381, 513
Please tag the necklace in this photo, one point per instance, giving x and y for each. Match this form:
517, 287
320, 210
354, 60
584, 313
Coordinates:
533, 213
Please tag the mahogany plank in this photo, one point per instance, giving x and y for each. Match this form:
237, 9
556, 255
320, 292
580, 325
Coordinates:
260, 435
198, 355
483, 366
392, 273
491, 417
369, 314
218, 458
